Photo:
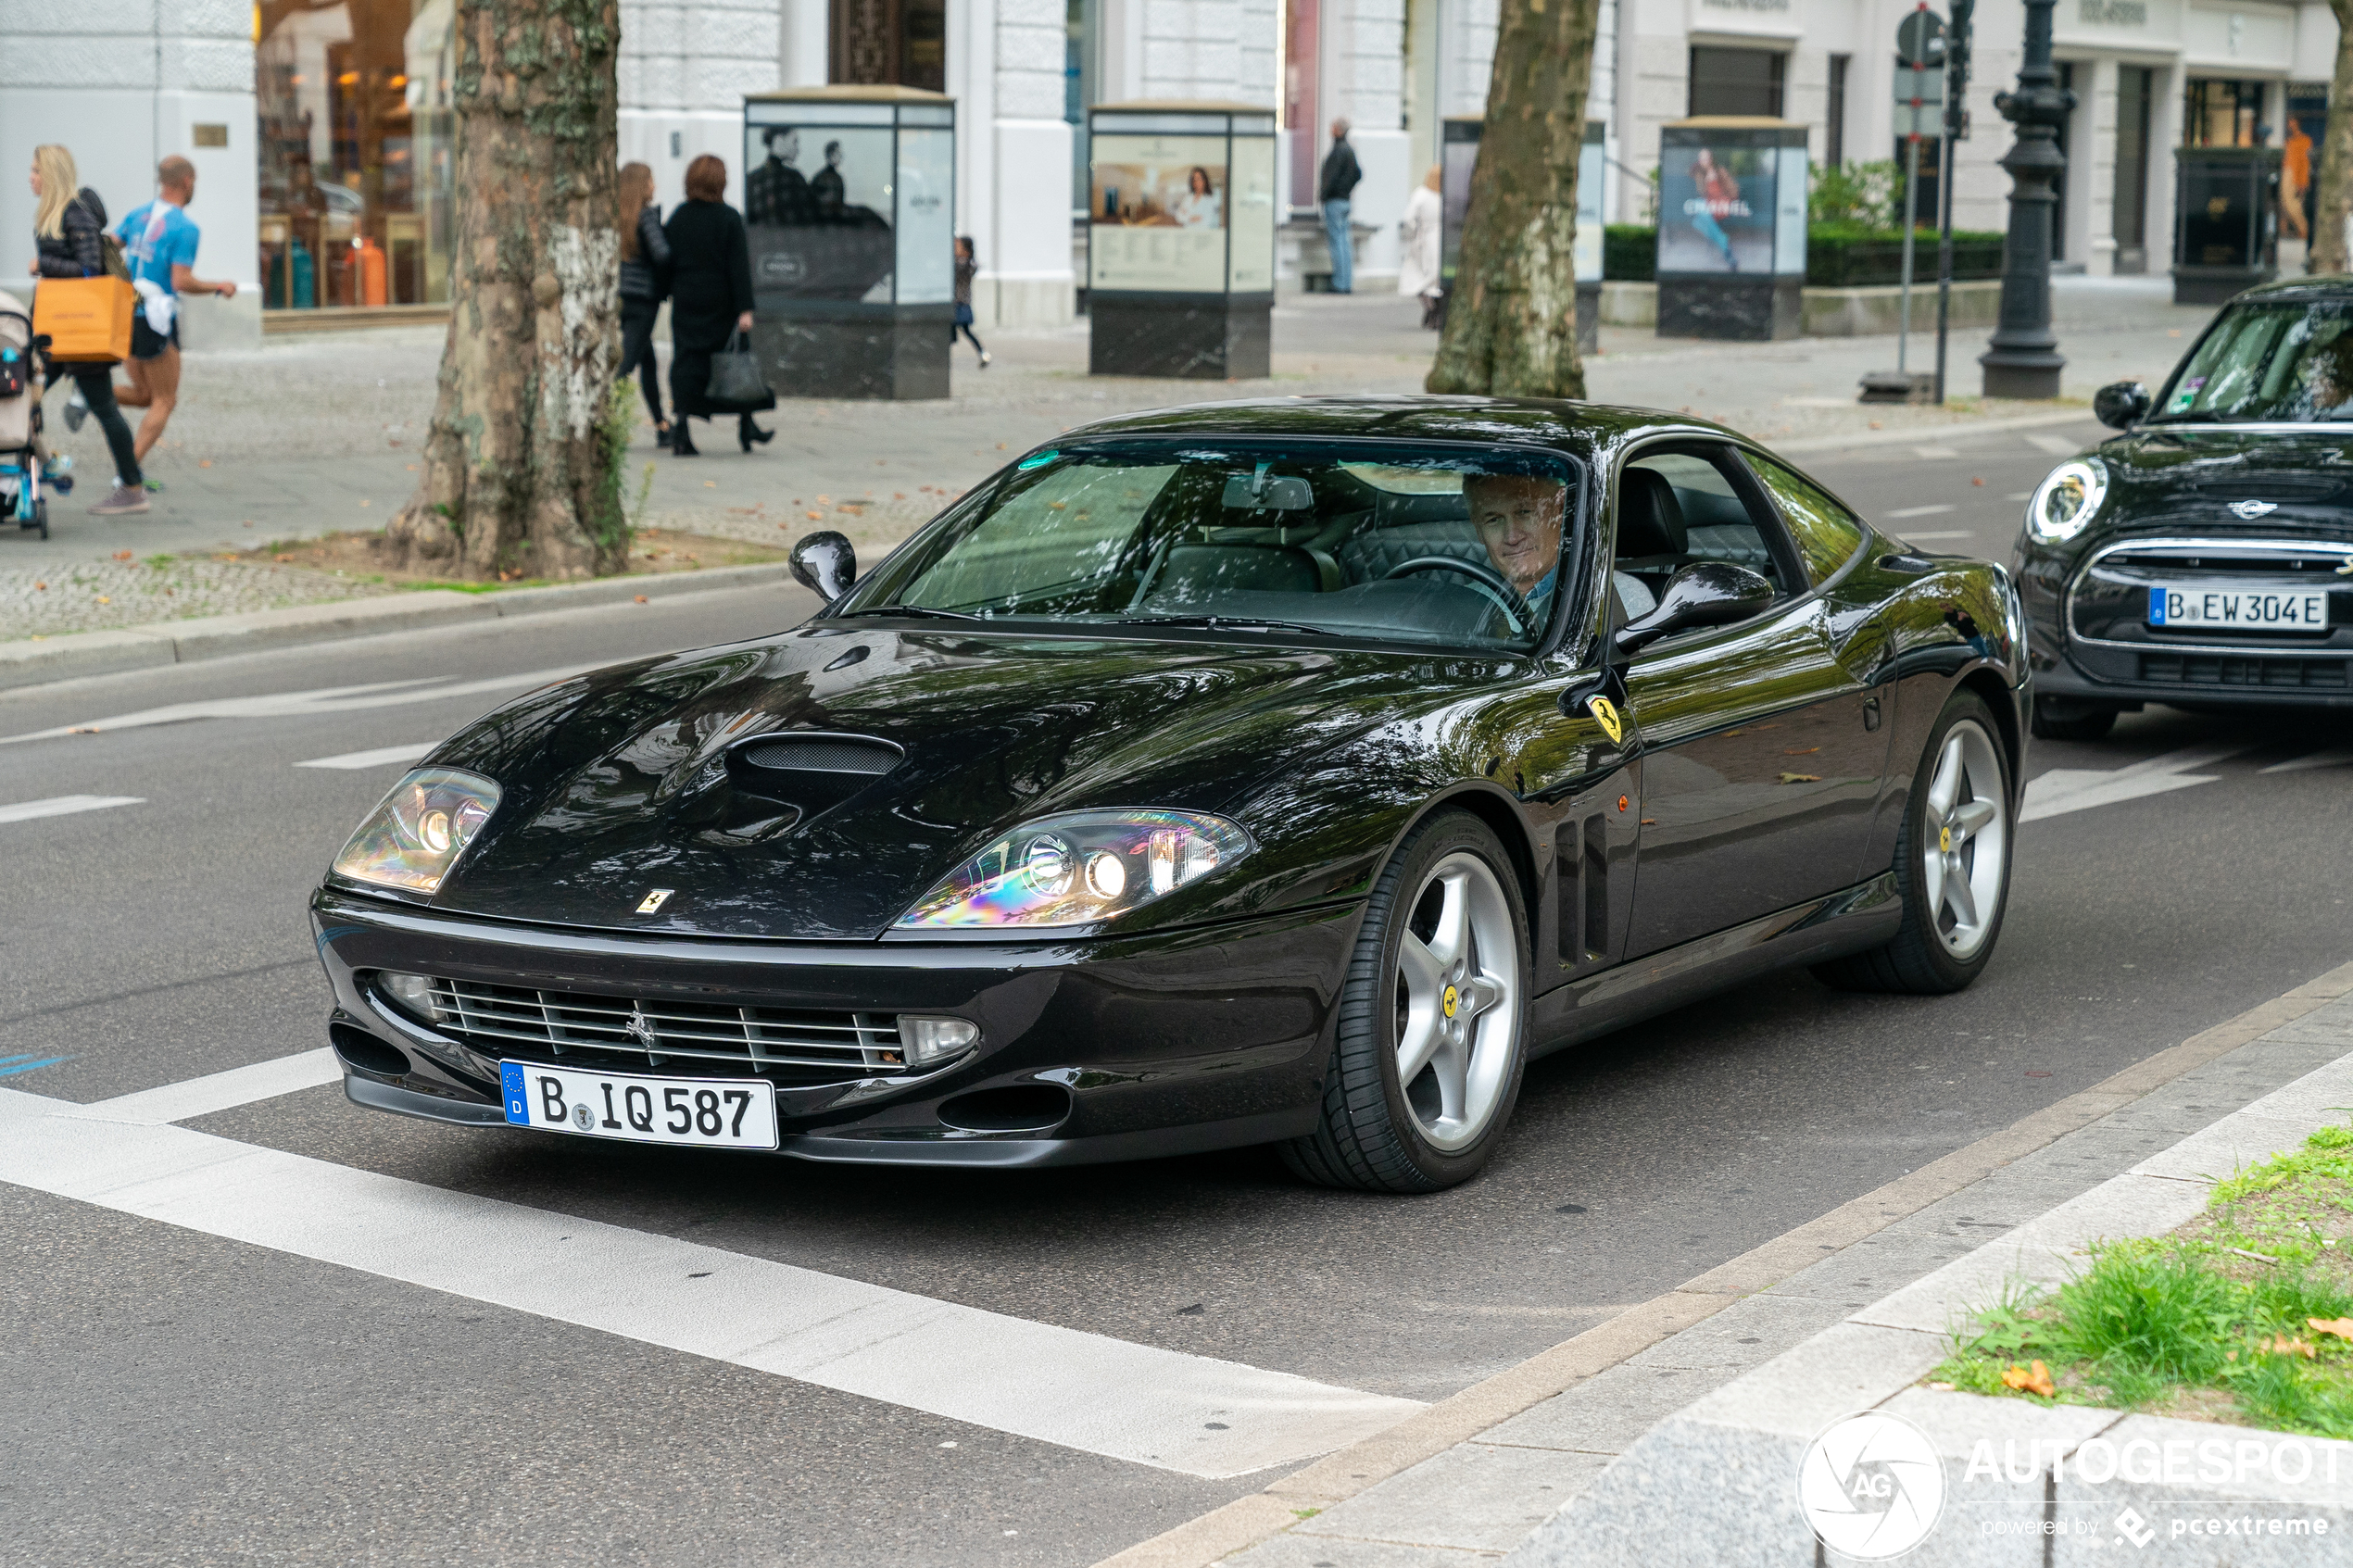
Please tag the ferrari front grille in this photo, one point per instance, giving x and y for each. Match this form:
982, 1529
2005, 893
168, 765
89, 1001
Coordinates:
794, 1045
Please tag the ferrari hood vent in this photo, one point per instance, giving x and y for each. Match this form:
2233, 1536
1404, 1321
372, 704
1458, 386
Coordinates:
821, 754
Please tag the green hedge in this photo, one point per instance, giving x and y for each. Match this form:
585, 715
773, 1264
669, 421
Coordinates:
1838, 256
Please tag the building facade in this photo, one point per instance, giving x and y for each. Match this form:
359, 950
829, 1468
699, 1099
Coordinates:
322, 133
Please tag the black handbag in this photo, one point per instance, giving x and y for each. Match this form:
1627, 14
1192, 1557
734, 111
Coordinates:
737, 386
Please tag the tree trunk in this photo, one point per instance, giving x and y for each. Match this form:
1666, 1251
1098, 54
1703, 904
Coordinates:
521, 474
1511, 319
2333, 208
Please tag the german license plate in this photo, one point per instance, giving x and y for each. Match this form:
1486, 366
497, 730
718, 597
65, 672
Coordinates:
696, 1112
2238, 607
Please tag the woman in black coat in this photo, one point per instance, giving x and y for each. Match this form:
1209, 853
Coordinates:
710, 297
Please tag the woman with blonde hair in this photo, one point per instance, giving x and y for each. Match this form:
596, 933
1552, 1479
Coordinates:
1420, 270
68, 233
645, 275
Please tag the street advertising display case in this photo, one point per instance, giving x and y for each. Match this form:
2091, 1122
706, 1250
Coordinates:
1458, 155
2226, 221
1731, 228
1180, 239
849, 202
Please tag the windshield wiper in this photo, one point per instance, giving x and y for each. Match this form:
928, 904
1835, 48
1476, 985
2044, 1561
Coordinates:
1226, 623
922, 611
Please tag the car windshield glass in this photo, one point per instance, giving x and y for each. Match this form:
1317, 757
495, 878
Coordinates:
2290, 362
1424, 545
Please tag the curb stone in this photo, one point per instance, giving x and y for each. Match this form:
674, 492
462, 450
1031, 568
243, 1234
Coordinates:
1586, 1401
29, 662
1715, 1483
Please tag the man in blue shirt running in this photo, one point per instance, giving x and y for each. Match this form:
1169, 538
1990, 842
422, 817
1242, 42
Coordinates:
1518, 518
159, 242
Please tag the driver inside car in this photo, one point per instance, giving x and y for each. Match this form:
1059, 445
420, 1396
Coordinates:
1518, 518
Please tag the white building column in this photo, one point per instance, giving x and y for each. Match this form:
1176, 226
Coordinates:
1005, 64
126, 85
683, 70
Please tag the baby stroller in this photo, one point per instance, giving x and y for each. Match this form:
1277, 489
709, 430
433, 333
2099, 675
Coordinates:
21, 385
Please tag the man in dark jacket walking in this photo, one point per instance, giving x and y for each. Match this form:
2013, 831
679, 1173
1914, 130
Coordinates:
1333, 187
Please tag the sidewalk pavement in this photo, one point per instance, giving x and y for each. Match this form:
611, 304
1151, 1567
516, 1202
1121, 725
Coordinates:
322, 432
1479, 1476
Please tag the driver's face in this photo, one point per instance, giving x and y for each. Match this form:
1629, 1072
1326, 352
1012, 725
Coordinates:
1520, 521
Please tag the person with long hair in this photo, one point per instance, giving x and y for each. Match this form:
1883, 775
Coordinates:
1420, 261
967, 268
645, 267
709, 298
69, 231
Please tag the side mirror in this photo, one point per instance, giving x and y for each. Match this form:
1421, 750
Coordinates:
824, 564
1707, 593
2121, 405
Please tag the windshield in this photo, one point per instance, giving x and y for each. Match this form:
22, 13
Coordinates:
2290, 362
1422, 544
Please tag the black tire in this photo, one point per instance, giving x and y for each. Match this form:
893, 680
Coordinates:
2067, 721
1369, 1140
1917, 961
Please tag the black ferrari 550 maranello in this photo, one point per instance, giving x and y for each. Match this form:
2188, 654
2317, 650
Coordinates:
2203, 556
1282, 772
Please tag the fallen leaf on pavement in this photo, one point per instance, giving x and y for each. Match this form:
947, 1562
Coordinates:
122, 555
1979, 483
2035, 1382
1801, 778
41, 587
1800, 750
816, 517
204, 462
104, 600
2341, 1327
641, 598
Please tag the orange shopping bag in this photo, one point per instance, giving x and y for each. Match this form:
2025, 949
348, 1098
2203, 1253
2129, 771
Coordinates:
87, 320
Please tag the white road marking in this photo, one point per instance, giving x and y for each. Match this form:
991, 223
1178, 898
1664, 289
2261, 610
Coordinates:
2334, 757
295, 705
383, 756
2055, 446
1943, 534
2062, 790
215, 1091
64, 806
1921, 511
1086, 1392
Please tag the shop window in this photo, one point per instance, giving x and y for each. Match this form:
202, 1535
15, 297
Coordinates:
2222, 114
1736, 80
356, 152
898, 43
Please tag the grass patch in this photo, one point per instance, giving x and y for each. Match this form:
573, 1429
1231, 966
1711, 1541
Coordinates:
2243, 1315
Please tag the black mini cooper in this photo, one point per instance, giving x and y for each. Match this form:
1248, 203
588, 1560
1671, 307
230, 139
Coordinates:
2203, 556
1290, 773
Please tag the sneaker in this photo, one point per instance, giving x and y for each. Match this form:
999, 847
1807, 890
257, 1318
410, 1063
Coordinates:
984, 358
77, 409
124, 502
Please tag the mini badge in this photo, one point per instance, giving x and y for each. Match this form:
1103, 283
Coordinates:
1604, 713
655, 900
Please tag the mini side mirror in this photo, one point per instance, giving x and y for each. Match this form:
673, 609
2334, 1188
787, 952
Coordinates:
824, 564
1707, 593
2121, 405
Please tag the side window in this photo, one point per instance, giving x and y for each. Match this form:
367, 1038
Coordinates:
1827, 534
1674, 509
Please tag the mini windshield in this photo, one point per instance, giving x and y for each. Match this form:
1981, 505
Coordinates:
1344, 539
2265, 362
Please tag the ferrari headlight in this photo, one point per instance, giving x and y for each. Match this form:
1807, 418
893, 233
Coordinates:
2065, 501
1081, 868
412, 839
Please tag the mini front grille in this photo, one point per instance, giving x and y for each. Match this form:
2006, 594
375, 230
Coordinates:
788, 1045
2322, 568
2271, 674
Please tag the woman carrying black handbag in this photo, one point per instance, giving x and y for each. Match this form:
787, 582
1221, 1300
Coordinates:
709, 298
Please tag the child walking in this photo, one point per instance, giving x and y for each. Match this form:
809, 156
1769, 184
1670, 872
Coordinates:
968, 264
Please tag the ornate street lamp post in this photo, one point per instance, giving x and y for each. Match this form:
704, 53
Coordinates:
2024, 361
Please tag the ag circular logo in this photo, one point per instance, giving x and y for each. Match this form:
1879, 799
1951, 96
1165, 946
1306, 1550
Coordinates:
1871, 1485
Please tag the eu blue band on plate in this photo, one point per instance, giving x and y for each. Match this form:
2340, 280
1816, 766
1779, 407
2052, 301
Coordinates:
2156, 606
515, 1092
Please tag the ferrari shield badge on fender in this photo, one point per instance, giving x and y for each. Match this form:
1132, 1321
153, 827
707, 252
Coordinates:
655, 900
1604, 713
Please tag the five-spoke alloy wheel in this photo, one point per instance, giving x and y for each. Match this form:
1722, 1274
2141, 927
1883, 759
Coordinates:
1433, 1031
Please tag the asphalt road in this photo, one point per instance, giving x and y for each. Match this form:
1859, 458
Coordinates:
168, 1395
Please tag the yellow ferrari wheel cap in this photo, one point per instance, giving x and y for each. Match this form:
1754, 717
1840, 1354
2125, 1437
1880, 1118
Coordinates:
1944, 840
1452, 1000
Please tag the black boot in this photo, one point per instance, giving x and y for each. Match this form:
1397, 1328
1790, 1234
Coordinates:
681, 441
748, 434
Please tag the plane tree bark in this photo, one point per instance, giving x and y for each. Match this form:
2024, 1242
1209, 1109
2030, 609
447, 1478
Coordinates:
522, 468
1511, 318
2332, 205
